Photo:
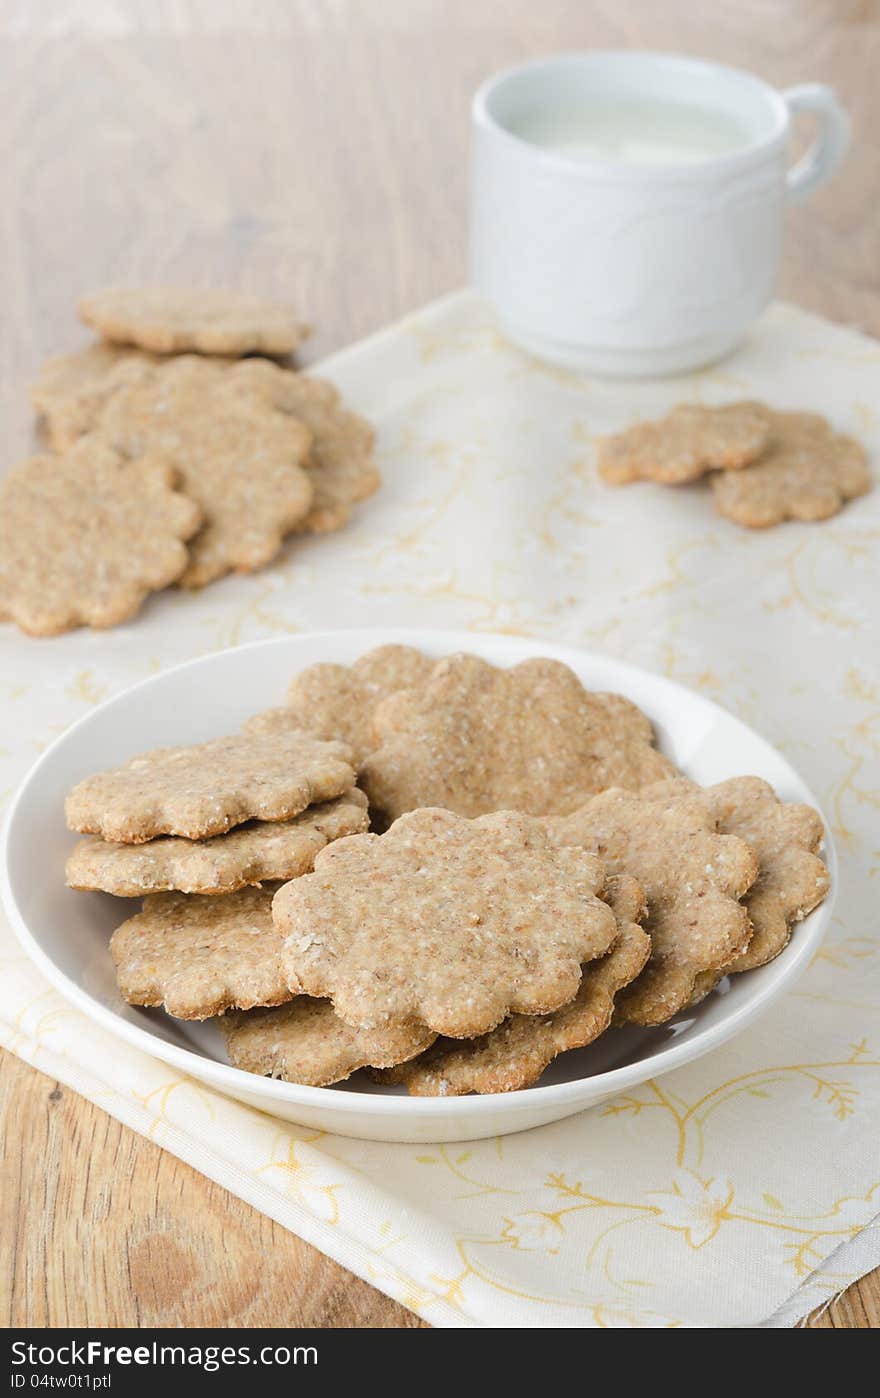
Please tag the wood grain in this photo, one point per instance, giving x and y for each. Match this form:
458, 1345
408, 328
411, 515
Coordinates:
313, 149
107, 1229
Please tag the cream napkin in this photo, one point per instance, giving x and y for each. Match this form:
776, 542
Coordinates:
732, 1192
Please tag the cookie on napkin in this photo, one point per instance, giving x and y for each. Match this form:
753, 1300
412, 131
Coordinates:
258, 852
682, 446
444, 922
173, 320
806, 472
474, 739
207, 788
237, 455
197, 957
340, 462
72, 389
86, 536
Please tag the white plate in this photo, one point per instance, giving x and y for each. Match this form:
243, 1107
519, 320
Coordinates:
66, 933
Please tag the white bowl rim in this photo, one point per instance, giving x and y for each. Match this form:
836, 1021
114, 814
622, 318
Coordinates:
790, 963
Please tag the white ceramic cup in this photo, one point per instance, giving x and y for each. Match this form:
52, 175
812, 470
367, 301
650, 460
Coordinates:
626, 269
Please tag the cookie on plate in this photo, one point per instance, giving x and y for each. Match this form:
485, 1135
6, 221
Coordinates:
785, 837
516, 1053
305, 1041
197, 957
474, 738
792, 880
444, 922
254, 853
339, 701
207, 788
693, 879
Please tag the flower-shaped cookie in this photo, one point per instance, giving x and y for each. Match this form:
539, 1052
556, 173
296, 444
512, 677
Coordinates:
340, 463
474, 739
444, 922
691, 440
72, 389
170, 320
207, 788
784, 837
806, 472
260, 851
515, 1054
238, 457
305, 1041
200, 956
339, 701
86, 536
693, 879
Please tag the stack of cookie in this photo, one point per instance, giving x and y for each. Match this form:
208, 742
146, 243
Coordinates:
764, 466
174, 458
543, 871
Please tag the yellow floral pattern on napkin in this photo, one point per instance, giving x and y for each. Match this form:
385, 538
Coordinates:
729, 1188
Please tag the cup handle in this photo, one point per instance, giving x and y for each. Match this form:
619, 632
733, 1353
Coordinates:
830, 145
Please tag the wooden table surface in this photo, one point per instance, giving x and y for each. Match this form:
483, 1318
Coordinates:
315, 149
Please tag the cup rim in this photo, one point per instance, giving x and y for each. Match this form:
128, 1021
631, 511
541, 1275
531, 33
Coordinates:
595, 168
